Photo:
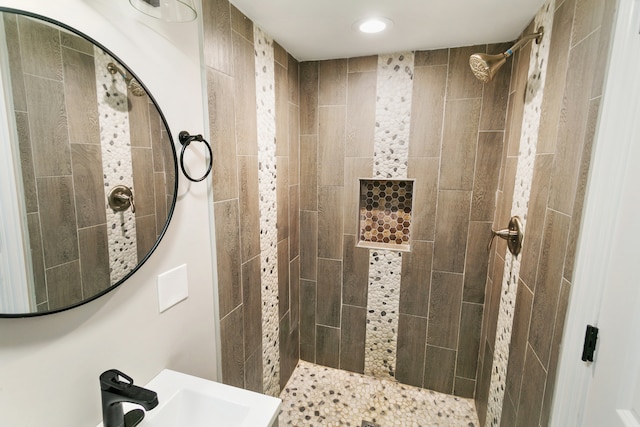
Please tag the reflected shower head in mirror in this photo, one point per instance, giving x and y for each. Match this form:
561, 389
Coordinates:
132, 84
486, 66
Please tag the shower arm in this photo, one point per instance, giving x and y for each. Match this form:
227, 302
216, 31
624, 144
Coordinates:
523, 40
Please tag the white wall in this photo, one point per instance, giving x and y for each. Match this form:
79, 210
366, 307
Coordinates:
49, 366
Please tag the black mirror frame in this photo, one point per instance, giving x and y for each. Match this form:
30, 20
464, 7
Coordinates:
173, 152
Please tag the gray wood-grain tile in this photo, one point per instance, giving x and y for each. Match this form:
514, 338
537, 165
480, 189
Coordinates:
535, 219
64, 286
328, 346
427, 111
294, 144
88, 184
217, 45
352, 338
330, 207
228, 255
496, 94
412, 334
469, 340
354, 169
361, 114
329, 292
331, 145
487, 172
282, 196
426, 58
530, 405
363, 63
252, 305
26, 162
519, 339
94, 259
415, 279
460, 82
58, 220
548, 283
444, 309
294, 221
332, 86
425, 171
141, 126
12, 39
240, 23
452, 226
459, 143
309, 98
221, 100
232, 352
145, 235
249, 207
355, 275
308, 172
82, 98
308, 244
37, 257
572, 130
49, 130
476, 262
283, 277
245, 92
253, 372
440, 364
294, 294
143, 181
281, 92
40, 46
308, 320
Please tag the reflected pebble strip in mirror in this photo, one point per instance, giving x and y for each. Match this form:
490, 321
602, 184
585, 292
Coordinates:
266, 122
116, 163
391, 153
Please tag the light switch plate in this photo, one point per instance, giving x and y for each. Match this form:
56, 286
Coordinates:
173, 287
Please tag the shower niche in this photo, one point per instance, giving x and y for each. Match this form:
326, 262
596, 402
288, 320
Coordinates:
385, 208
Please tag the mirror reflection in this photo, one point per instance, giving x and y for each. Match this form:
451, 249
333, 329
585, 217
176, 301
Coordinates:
81, 132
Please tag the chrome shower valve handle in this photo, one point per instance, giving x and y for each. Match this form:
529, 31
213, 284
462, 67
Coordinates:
513, 235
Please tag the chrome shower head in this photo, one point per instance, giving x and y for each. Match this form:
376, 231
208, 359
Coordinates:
132, 84
485, 66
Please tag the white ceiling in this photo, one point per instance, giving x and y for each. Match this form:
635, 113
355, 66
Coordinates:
322, 29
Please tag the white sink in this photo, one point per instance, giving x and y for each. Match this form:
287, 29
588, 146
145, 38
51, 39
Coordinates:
185, 400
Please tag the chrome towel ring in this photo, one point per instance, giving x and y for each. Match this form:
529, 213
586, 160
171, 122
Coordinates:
186, 139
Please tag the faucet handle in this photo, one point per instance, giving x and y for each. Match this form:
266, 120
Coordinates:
111, 379
513, 235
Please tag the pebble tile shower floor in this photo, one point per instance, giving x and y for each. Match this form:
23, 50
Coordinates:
320, 396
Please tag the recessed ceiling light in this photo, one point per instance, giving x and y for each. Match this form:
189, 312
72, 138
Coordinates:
373, 25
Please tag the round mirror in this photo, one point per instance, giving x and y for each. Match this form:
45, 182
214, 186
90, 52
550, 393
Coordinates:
89, 173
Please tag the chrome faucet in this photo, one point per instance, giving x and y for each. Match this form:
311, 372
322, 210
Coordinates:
115, 391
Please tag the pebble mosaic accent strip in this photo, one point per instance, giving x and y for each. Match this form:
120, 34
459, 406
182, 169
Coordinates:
266, 107
393, 115
320, 396
115, 138
394, 87
385, 211
383, 305
521, 195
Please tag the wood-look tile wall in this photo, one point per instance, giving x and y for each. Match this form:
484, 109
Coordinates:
230, 67
579, 45
53, 81
456, 144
